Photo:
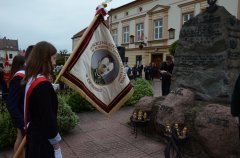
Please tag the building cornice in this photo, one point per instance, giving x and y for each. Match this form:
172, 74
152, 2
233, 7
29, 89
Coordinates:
190, 3
114, 23
135, 17
163, 9
158, 41
127, 6
148, 48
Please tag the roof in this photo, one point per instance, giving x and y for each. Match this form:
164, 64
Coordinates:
114, 9
80, 33
134, 3
8, 44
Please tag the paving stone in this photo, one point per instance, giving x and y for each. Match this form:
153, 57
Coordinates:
98, 136
148, 146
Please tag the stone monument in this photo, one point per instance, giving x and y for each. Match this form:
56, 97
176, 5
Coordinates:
207, 64
207, 59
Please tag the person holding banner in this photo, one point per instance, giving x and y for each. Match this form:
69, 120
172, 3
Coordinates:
41, 104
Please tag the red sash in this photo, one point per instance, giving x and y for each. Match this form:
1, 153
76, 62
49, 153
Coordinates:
29, 91
19, 74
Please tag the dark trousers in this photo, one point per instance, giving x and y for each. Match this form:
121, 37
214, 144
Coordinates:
166, 87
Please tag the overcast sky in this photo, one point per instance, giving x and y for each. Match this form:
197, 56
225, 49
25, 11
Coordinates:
55, 21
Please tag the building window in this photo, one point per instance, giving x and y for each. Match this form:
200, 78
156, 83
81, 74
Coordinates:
171, 32
131, 39
126, 34
10, 56
140, 32
115, 17
126, 13
187, 16
114, 36
158, 29
140, 9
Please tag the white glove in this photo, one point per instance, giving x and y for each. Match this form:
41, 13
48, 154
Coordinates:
55, 86
58, 153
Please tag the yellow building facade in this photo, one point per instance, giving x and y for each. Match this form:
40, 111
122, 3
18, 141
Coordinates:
146, 28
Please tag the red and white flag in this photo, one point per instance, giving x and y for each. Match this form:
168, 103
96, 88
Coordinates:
6, 69
96, 71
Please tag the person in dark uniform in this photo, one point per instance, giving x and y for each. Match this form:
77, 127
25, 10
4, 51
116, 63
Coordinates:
235, 102
15, 98
147, 72
152, 70
3, 85
134, 72
166, 72
140, 69
41, 104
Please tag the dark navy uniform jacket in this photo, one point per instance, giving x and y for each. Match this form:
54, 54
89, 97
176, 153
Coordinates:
15, 101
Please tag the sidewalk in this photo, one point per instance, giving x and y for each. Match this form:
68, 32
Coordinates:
97, 136
157, 87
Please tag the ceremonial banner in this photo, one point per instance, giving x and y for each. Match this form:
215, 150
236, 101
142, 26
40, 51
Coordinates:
6, 69
96, 71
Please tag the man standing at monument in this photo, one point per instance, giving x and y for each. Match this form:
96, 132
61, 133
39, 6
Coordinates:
235, 102
166, 72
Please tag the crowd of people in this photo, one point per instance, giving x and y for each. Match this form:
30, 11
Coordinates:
151, 70
137, 71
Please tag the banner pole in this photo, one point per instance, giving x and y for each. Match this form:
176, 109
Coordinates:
20, 148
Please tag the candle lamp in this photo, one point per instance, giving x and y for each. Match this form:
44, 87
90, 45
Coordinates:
145, 115
181, 132
140, 115
135, 115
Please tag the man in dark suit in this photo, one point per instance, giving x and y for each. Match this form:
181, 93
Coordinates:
166, 71
105, 66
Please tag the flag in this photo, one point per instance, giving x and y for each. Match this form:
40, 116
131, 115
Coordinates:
142, 36
96, 71
6, 69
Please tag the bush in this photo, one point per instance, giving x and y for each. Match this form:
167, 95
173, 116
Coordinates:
7, 131
67, 119
79, 104
141, 88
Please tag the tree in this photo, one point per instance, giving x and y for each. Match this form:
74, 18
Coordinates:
63, 52
61, 57
173, 47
